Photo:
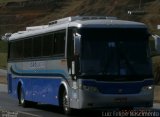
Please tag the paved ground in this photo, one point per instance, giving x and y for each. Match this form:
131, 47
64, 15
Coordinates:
3, 88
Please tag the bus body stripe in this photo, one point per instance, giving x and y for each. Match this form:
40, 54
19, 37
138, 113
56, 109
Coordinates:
58, 73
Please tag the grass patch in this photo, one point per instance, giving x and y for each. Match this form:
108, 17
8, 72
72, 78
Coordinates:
3, 47
3, 60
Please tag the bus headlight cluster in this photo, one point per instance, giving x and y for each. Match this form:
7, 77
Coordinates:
90, 88
150, 87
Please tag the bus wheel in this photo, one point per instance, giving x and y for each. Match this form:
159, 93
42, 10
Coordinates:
22, 101
65, 104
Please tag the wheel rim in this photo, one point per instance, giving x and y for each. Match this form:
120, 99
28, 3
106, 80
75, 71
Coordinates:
65, 102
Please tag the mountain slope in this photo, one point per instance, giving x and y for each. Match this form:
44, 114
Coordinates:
17, 14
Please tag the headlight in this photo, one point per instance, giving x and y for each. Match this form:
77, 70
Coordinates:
90, 88
150, 87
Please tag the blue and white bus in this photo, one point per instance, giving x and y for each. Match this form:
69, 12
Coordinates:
82, 62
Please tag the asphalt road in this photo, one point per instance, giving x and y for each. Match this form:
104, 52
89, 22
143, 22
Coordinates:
9, 105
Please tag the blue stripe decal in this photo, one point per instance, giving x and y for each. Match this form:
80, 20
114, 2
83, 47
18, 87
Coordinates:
16, 71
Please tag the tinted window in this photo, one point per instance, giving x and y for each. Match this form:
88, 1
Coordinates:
59, 42
16, 50
37, 46
45, 45
113, 51
48, 45
28, 48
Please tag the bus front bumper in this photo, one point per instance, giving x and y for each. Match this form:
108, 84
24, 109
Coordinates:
89, 100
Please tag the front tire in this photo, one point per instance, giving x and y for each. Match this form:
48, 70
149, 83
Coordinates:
65, 104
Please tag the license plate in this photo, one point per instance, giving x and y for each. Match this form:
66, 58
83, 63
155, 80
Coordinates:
120, 100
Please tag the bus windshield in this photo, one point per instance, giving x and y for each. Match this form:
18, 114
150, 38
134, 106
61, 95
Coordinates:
115, 51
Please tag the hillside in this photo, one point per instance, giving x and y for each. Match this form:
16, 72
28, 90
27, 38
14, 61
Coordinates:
17, 14
117, 8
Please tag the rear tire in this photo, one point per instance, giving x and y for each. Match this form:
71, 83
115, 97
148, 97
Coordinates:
21, 98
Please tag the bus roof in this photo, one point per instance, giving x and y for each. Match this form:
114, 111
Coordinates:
76, 21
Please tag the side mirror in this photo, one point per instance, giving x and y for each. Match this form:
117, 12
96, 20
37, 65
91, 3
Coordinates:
77, 38
157, 42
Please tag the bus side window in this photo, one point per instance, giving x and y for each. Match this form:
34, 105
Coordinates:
37, 46
28, 48
16, 50
59, 43
11, 51
48, 45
